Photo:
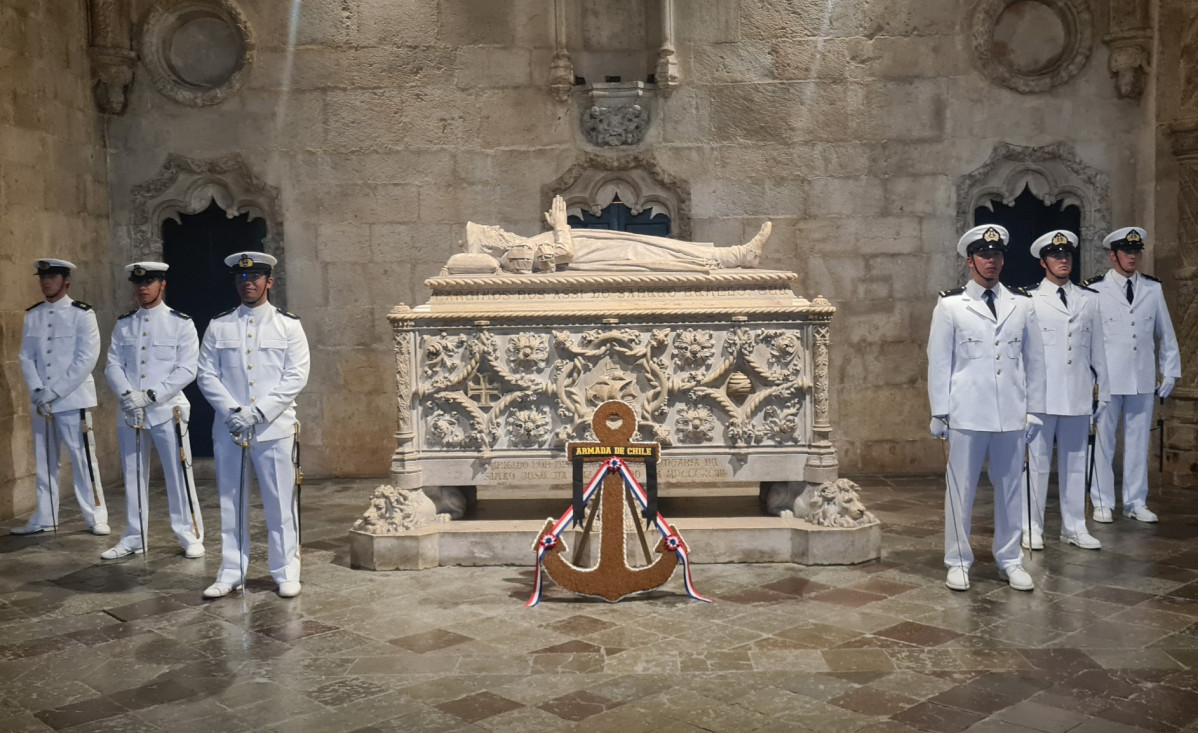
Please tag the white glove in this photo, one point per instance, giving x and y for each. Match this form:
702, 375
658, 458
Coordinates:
1166, 387
938, 427
1101, 408
1032, 427
134, 401
43, 397
240, 421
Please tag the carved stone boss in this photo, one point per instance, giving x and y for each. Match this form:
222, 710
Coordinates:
496, 374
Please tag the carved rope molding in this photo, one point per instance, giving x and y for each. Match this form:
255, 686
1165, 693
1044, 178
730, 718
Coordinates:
158, 29
1078, 24
1056, 175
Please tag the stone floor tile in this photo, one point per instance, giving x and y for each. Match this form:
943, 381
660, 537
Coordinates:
578, 706
473, 708
429, 641
918, 634
92, 709
1041, 717
871, 701
930, 716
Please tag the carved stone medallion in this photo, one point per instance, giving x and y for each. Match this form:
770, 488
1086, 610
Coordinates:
1032, 46
197, 52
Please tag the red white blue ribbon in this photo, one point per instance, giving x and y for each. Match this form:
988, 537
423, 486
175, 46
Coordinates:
673, 542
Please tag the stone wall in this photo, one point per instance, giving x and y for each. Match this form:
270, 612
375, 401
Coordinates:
390, 124
53, 202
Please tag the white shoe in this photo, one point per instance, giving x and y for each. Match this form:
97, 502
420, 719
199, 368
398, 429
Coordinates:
958, 579
220, 590
1037, 541
1084, 540
1141, 514
289, 589
1017, 578
101, 529
194, 550
30, 529
1104, 515
118, 551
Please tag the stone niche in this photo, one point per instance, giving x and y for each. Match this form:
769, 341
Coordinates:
728, 370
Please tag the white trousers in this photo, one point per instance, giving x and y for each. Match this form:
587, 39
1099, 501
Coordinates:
967, 450
1136, 411
1070, 433
271, 462
181, 500
66, 430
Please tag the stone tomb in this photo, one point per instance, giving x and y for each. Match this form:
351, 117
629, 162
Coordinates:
724, 366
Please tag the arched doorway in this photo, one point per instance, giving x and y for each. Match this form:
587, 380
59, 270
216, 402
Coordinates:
1026, 218
195, 247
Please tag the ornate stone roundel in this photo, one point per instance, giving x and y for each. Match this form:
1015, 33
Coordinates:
1032, 46
197, 51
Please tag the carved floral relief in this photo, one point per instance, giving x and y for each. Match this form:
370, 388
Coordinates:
500, 389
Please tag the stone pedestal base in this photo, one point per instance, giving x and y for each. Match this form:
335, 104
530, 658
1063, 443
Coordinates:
711, 539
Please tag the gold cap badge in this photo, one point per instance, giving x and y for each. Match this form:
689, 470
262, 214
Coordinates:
992, 235
1060, 240
139, 271
1134, 237
245, 262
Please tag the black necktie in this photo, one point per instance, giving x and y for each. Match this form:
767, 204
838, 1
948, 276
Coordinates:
1129, 293
1061, 292
989, 296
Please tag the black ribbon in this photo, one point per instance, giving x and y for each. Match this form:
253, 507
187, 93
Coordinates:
579, 507
650, 510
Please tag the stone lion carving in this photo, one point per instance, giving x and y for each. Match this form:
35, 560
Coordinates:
398, 510
836, 504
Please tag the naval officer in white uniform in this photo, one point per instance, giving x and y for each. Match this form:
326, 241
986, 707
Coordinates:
1075, 360
151, 358
253, 364
985, 378
60, 344
1133, 316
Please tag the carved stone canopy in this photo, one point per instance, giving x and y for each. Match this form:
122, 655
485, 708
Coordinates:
1032, 46
1055, 175
197, 52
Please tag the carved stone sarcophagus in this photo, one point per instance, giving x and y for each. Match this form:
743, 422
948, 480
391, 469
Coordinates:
727, 369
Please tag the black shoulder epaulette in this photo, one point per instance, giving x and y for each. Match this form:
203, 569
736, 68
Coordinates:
222, 315
1020, 291
285, 313
1083, 287
126, 315
952, 291
1091, 281
1150, 277
34, 306
179, 314
81, 305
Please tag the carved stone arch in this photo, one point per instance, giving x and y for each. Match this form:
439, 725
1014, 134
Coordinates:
189, 186
594, 182
1055, 175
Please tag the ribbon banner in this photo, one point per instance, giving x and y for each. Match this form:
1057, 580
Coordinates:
613, 465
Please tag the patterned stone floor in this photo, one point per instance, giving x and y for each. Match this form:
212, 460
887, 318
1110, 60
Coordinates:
1107, 642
